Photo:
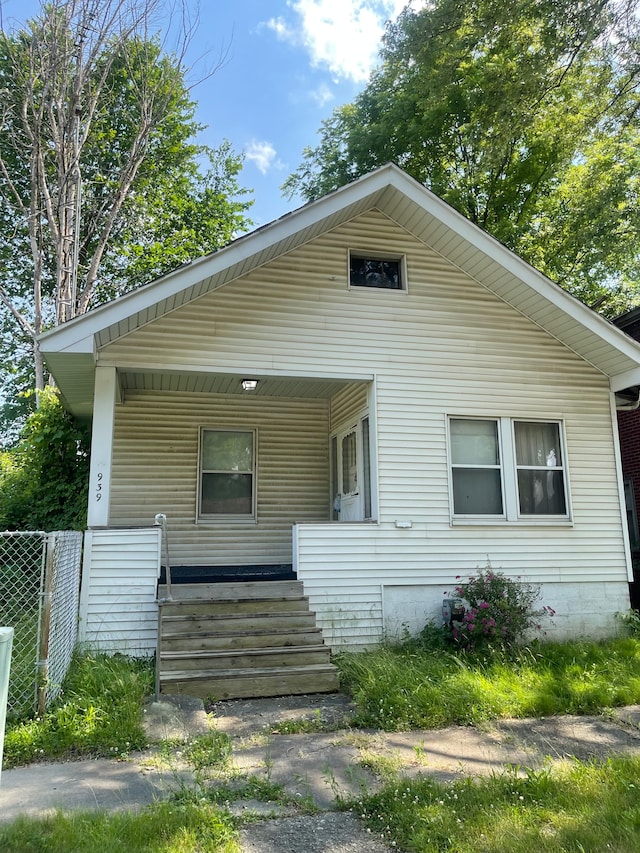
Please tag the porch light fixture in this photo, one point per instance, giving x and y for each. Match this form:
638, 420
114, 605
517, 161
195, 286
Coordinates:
249, 384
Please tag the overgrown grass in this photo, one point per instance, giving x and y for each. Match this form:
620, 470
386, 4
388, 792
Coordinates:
161, 828
99, 713
19, 587
582, 807
409, 687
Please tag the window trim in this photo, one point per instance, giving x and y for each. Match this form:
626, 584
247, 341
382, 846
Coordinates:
367, 254
227, 518
511, 514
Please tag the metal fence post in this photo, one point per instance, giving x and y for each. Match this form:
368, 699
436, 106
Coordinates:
6, 641
45, 625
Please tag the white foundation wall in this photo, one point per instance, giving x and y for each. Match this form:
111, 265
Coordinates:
581, 609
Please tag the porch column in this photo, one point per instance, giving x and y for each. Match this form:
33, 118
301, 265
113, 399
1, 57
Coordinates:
105, 394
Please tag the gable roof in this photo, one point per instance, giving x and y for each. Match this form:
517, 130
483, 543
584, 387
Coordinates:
70, 349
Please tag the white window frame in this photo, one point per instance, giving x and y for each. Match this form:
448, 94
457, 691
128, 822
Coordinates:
228, 518
373, 255
509, 475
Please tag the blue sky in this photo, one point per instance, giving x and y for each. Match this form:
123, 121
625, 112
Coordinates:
288, 63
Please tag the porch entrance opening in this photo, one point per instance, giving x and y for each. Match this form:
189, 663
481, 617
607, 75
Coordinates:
351, 472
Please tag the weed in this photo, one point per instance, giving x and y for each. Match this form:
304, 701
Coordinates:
401, 687
171, 826
97, 713
631, 622
210, 750
576, 807
303, 725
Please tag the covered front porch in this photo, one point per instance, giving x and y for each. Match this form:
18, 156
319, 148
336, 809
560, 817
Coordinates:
233, 470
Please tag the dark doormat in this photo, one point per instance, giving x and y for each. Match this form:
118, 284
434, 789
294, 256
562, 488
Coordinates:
228, 574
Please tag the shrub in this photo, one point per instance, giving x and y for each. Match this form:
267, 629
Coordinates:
630, 622
500, 611
44, 478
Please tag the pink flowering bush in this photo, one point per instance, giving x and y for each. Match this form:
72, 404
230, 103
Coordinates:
499, 612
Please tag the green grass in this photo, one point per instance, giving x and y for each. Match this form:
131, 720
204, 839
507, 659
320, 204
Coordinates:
408, 687
162, 828
99, 713
19, 588
210, 750
588, 808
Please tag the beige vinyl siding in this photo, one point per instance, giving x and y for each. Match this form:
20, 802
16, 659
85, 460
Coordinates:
445, 347
155, 469
348, 403
118, 609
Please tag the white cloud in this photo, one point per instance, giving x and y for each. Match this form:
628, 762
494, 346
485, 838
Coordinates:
263, 154
322, 95
341, 35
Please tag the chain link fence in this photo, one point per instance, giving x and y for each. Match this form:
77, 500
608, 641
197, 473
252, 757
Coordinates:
39, 596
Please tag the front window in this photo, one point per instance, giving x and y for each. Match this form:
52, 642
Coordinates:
227, 473
503, 468
476, 472
540, 470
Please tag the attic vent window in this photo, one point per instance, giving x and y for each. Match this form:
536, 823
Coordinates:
376, 271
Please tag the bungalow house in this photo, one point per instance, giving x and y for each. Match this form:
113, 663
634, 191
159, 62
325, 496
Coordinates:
371, 395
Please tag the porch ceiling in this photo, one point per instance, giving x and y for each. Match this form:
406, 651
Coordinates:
219, 383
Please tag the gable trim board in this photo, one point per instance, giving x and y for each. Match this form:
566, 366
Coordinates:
478, 334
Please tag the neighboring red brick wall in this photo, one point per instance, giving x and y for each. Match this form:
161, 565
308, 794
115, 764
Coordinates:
629, 430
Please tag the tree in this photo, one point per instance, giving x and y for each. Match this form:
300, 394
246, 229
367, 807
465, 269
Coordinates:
44, 479
96, 141
523, 116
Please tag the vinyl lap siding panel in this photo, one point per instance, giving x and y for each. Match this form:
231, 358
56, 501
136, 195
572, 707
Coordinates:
347, 404
118, 609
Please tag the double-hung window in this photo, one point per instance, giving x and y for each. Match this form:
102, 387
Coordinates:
227, 474
507, 469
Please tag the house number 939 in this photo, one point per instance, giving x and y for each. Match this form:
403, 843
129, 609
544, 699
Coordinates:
99, 487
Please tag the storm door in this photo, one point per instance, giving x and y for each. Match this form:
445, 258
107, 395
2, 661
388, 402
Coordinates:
351, 482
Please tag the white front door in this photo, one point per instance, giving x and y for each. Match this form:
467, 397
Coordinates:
349, 498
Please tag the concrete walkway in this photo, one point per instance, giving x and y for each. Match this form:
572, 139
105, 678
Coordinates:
313, 769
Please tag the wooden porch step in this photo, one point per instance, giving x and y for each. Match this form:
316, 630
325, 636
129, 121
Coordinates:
178, 625
269, 638
249, 658
200, 607
253, 683
233, 591
239, 640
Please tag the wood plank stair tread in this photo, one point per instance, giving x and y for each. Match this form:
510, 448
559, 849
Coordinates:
256, 652
190, 602
213, 674
220, 616
241, 632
